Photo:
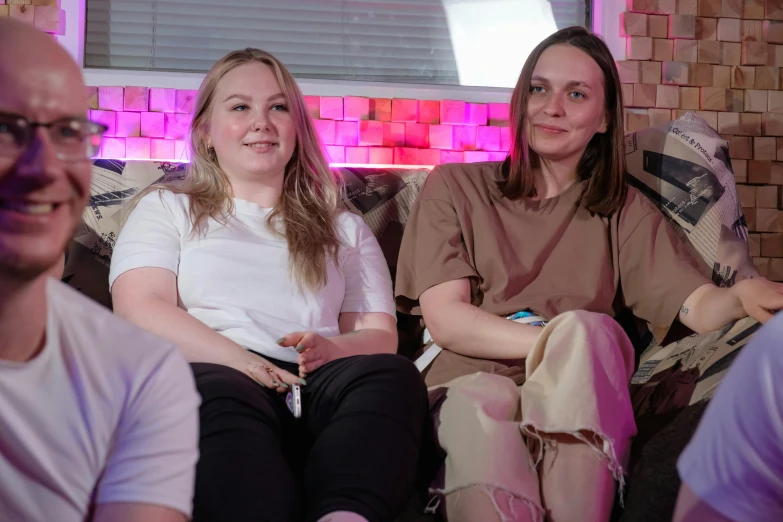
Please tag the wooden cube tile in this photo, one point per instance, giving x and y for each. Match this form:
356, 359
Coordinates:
773, 31
768, 197
775, 55
780, 149
721, 76
731, 8
715, 99
667, 97
740, 147
731, 53
751, 31
709, 51
768, 220
740, 168
686, 50
767, 78
682, 26
761, 263
754, 240
635, 121
4, 11
49, 19
754, 53
775, 269
644, 95
772, 244
23, 13
676, 73
701, 74
753, 9
687, 7
728, 123
743, 77
640, 48
659, 116
629, 70
711, 117
706, 28
633, 24
772, 124
627, 89
729, 30
652, 6
651, 72
759, 171
658, 26
755, 100
764, 148
711, 8
749, 124
747, 195
663, 50
773, 9
775, 101
689, 98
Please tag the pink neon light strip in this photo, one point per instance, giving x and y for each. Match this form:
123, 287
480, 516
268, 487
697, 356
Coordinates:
333, 165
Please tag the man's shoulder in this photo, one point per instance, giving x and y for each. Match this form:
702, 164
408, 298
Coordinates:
96, 331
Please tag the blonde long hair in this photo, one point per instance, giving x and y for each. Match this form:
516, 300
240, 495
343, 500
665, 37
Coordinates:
306, 215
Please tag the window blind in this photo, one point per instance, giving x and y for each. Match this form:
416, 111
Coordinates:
408, 41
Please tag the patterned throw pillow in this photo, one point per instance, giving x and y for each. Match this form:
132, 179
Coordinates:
684, 168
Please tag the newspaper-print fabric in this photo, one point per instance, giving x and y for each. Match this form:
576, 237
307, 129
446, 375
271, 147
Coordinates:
684, 168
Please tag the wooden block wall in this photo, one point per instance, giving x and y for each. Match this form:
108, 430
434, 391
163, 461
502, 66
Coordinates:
46, 15
724, 60
151, 123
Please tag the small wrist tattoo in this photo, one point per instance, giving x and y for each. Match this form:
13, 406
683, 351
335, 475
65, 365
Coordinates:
684, 311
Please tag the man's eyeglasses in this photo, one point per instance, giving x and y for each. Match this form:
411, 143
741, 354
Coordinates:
73, 139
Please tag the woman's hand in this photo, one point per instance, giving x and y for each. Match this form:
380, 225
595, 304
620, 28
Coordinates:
265, 373
314, 350
760, 297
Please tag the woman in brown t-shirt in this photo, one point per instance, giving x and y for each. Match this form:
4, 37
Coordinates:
556, 230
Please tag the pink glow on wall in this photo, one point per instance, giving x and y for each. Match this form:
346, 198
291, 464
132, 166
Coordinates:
152, 124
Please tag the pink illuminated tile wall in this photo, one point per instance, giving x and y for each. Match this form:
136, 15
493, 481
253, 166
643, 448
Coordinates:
149, 123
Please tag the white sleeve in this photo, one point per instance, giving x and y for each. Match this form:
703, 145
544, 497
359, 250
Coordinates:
151, 236
368, 286
156, 446
734, 462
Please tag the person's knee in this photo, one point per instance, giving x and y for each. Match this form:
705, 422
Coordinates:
597, 333
396, 375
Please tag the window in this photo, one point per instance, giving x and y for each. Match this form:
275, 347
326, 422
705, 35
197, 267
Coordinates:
445, 42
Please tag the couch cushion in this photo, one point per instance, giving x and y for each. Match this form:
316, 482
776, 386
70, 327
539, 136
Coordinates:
683, 166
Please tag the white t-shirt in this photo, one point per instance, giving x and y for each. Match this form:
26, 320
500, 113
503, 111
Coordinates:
106, 412
235, 277
735, 460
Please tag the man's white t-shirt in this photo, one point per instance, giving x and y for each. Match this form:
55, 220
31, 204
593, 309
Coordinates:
105, 413
234, 277
734, 462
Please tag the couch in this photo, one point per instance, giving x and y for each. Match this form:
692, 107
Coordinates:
690, 180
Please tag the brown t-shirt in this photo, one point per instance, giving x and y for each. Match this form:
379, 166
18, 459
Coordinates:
550, 256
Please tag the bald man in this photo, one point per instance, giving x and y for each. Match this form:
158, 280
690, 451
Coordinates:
98, 419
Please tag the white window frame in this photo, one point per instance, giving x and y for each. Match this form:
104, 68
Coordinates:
605, 18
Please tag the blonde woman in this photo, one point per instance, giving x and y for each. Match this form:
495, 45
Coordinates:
253, 272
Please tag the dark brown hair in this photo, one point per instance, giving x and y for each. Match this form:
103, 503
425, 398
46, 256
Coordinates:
603, 162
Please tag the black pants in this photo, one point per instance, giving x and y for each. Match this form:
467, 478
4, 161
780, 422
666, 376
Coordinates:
356, 447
